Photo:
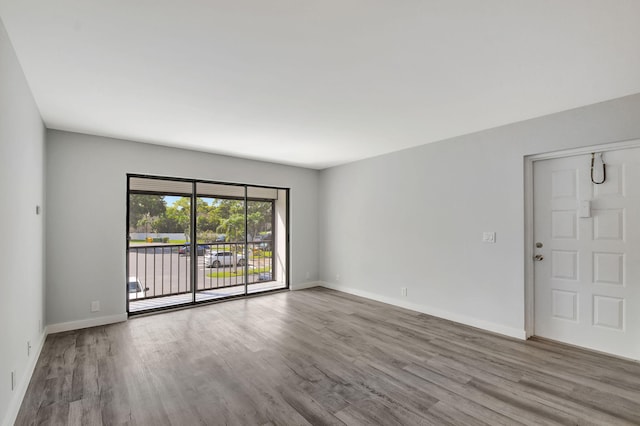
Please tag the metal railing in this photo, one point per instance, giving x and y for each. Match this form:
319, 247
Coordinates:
160, 270
165, 269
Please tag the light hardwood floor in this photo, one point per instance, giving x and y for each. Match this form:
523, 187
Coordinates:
319, 357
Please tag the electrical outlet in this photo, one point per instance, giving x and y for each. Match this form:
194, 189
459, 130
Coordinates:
39, 326
28, 348
489, 237
404, 291
338, 276
95, 306
13, 380
308, 274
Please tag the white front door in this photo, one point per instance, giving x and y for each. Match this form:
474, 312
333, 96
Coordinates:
587, 282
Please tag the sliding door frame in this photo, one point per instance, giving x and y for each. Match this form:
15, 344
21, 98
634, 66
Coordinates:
194, 242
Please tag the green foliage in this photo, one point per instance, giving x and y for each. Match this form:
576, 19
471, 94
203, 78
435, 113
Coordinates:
232, 227
149, 213
206, 237
161, 240
148, 223
169, 224
178, 216
142, 204
260, 215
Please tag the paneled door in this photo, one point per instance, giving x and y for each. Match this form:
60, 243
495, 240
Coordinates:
587, 252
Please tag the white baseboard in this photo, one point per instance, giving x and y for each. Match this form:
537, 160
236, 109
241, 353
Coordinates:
91, 322
302, 286
23, 384
429, 310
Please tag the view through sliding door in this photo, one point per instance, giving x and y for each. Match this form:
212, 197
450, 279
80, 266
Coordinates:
195, 241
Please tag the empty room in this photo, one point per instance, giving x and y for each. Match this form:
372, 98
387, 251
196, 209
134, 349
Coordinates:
338, 212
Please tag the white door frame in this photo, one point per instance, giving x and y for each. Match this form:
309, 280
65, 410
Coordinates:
528, 215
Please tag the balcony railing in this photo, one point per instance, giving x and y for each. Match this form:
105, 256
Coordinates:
162, 270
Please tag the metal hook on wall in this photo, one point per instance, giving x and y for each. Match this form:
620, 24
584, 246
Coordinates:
600, 164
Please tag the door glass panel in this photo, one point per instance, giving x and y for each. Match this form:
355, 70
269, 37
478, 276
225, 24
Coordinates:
220, 230
158, 254
268, 217
260, 245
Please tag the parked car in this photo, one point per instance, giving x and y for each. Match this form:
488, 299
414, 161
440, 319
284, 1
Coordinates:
136, 291
217, 259
266, 236
186, 249
265, 246
265, 276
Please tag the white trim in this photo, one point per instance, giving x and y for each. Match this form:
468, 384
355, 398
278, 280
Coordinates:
429, 310
529, 298
91, 322
611, 146
529, 278
303, 286
21, 390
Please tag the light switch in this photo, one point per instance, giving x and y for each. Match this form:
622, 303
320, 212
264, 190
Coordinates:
488, 237
585, 208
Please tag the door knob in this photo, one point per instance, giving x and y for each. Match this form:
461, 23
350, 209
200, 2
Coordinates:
538, 257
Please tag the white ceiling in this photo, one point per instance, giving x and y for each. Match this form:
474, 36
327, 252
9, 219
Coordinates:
317, 83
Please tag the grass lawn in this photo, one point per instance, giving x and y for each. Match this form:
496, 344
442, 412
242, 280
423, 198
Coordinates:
259, 254
145, 242
228, 273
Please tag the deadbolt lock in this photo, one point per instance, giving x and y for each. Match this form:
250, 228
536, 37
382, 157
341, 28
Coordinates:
538, 245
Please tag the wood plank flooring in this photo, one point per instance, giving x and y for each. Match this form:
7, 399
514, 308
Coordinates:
320, 357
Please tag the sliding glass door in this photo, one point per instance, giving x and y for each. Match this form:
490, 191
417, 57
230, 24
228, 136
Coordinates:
199, 241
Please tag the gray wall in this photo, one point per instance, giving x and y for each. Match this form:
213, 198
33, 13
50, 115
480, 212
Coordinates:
415, 218
86, 225
21, 251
